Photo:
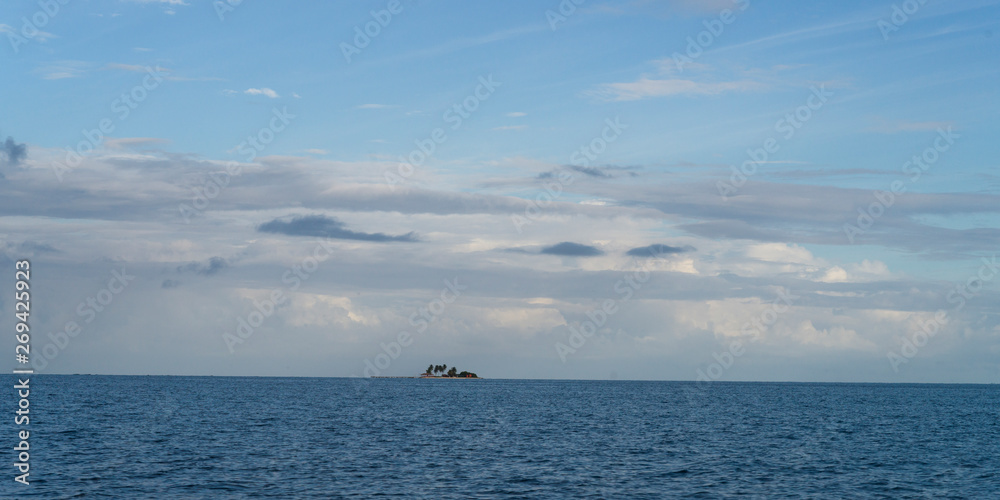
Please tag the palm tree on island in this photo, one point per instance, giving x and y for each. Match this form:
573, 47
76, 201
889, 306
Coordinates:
433, 370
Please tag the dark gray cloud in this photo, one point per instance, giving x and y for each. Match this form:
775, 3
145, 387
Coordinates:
657, 249
591, 171
327, 227
606, 172
517, 250
12, 153
170, 284
214, 265
571, 249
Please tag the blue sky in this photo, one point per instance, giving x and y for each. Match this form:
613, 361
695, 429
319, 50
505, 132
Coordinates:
876, 84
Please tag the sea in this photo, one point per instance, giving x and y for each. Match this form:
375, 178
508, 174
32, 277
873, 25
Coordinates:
127, 437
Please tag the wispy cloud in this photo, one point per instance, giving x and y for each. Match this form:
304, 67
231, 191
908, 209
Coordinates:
167, 2
908, 126
469, 42
38, 35
139, 68
517, 114
797, 35
700, 80
128, 67
132, 142
60, 70
702, 6
168, 5
645, 88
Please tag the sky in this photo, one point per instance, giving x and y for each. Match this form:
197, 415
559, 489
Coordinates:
717, 190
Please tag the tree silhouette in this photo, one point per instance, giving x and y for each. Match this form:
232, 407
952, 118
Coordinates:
452, 372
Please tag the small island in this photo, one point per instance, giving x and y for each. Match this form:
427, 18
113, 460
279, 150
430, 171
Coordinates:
446, 372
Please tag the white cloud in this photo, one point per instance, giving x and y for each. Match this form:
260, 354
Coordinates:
323, 310
264, 91
834, 337
517, 114
780, 252
515, 301
835, 274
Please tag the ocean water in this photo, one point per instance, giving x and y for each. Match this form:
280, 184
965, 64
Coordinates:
246, 437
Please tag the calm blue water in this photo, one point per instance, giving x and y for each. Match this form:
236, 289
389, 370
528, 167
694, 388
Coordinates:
214, 437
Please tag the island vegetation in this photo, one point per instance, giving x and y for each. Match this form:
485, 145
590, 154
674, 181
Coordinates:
433, 370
